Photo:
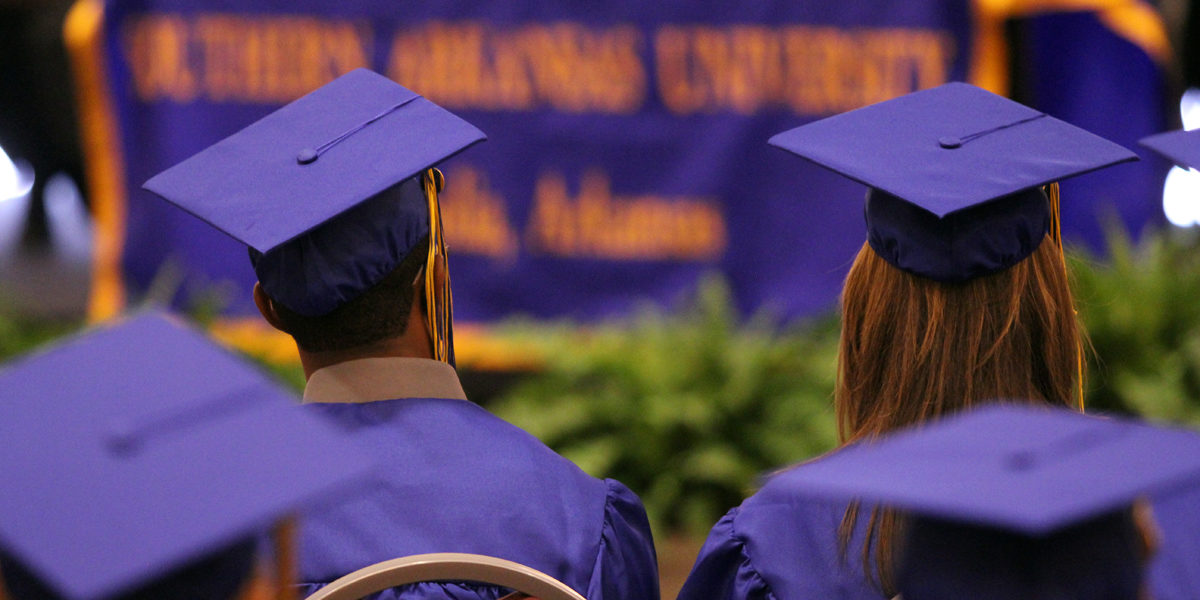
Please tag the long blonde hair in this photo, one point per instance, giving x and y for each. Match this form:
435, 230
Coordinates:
914, 349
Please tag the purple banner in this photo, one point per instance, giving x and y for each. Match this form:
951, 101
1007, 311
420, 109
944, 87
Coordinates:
627, 141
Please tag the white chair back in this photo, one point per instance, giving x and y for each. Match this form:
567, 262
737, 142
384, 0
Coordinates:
448, 566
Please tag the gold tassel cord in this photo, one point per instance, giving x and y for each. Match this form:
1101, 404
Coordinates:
439, 304
1056, 235
1055, 217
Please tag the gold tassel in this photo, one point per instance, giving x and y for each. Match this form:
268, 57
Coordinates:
439, 304
1052, 192
1055, 218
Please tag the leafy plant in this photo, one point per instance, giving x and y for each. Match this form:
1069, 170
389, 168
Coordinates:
687, 409
1141, 309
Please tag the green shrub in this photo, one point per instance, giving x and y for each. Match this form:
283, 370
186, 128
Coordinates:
1141, 310
687, 409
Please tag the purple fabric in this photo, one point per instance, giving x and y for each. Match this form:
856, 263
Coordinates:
174, 449
458, 479
343, 257
331, 227
951, 147
776, 546
1181, 147
1028, 469
1099, 559
711, 149
782, 545
251, 186
954, 173
723, 569
970, 243
217, 576
1175, 569
424, 591
1052, 46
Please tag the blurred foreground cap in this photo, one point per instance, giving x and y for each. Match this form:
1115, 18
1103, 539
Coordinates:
1181, 147
954, 173
1014, 501
326, 191
141, 446
1028, 469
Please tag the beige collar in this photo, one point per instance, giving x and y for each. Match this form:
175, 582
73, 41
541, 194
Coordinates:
371, 379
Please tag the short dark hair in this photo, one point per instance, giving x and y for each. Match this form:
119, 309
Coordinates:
379, 313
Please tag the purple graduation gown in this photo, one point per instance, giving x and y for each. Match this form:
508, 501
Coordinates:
458, 479
1175, 569
778, 546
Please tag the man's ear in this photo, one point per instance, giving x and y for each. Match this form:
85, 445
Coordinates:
266, 306
439, 280
440, 274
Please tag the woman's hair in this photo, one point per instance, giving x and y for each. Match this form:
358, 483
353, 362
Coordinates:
914, 349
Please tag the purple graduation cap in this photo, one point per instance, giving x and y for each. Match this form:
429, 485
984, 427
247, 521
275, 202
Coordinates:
141, 447
1009, 501
326, 191
1181, 147
955, 175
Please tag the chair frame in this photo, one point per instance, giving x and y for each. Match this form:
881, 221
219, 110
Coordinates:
446, 566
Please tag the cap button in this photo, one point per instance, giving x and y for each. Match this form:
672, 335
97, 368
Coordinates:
306, 156
122, 438
949, 142
1021, 461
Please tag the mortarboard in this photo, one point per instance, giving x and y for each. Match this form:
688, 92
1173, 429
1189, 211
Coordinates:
1181, 147
331, 191
139, 447
1014, 483
954, 173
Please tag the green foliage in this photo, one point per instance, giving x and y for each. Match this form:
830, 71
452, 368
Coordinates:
20, 334
1141, 310
687, 409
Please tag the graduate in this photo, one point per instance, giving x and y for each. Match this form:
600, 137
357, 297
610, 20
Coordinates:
958, 296
336, 194
142, 461
1014, 502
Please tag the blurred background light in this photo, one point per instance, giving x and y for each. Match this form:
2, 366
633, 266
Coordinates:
16, 178
1181, 197
16, 181
67, 220
1189, 108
